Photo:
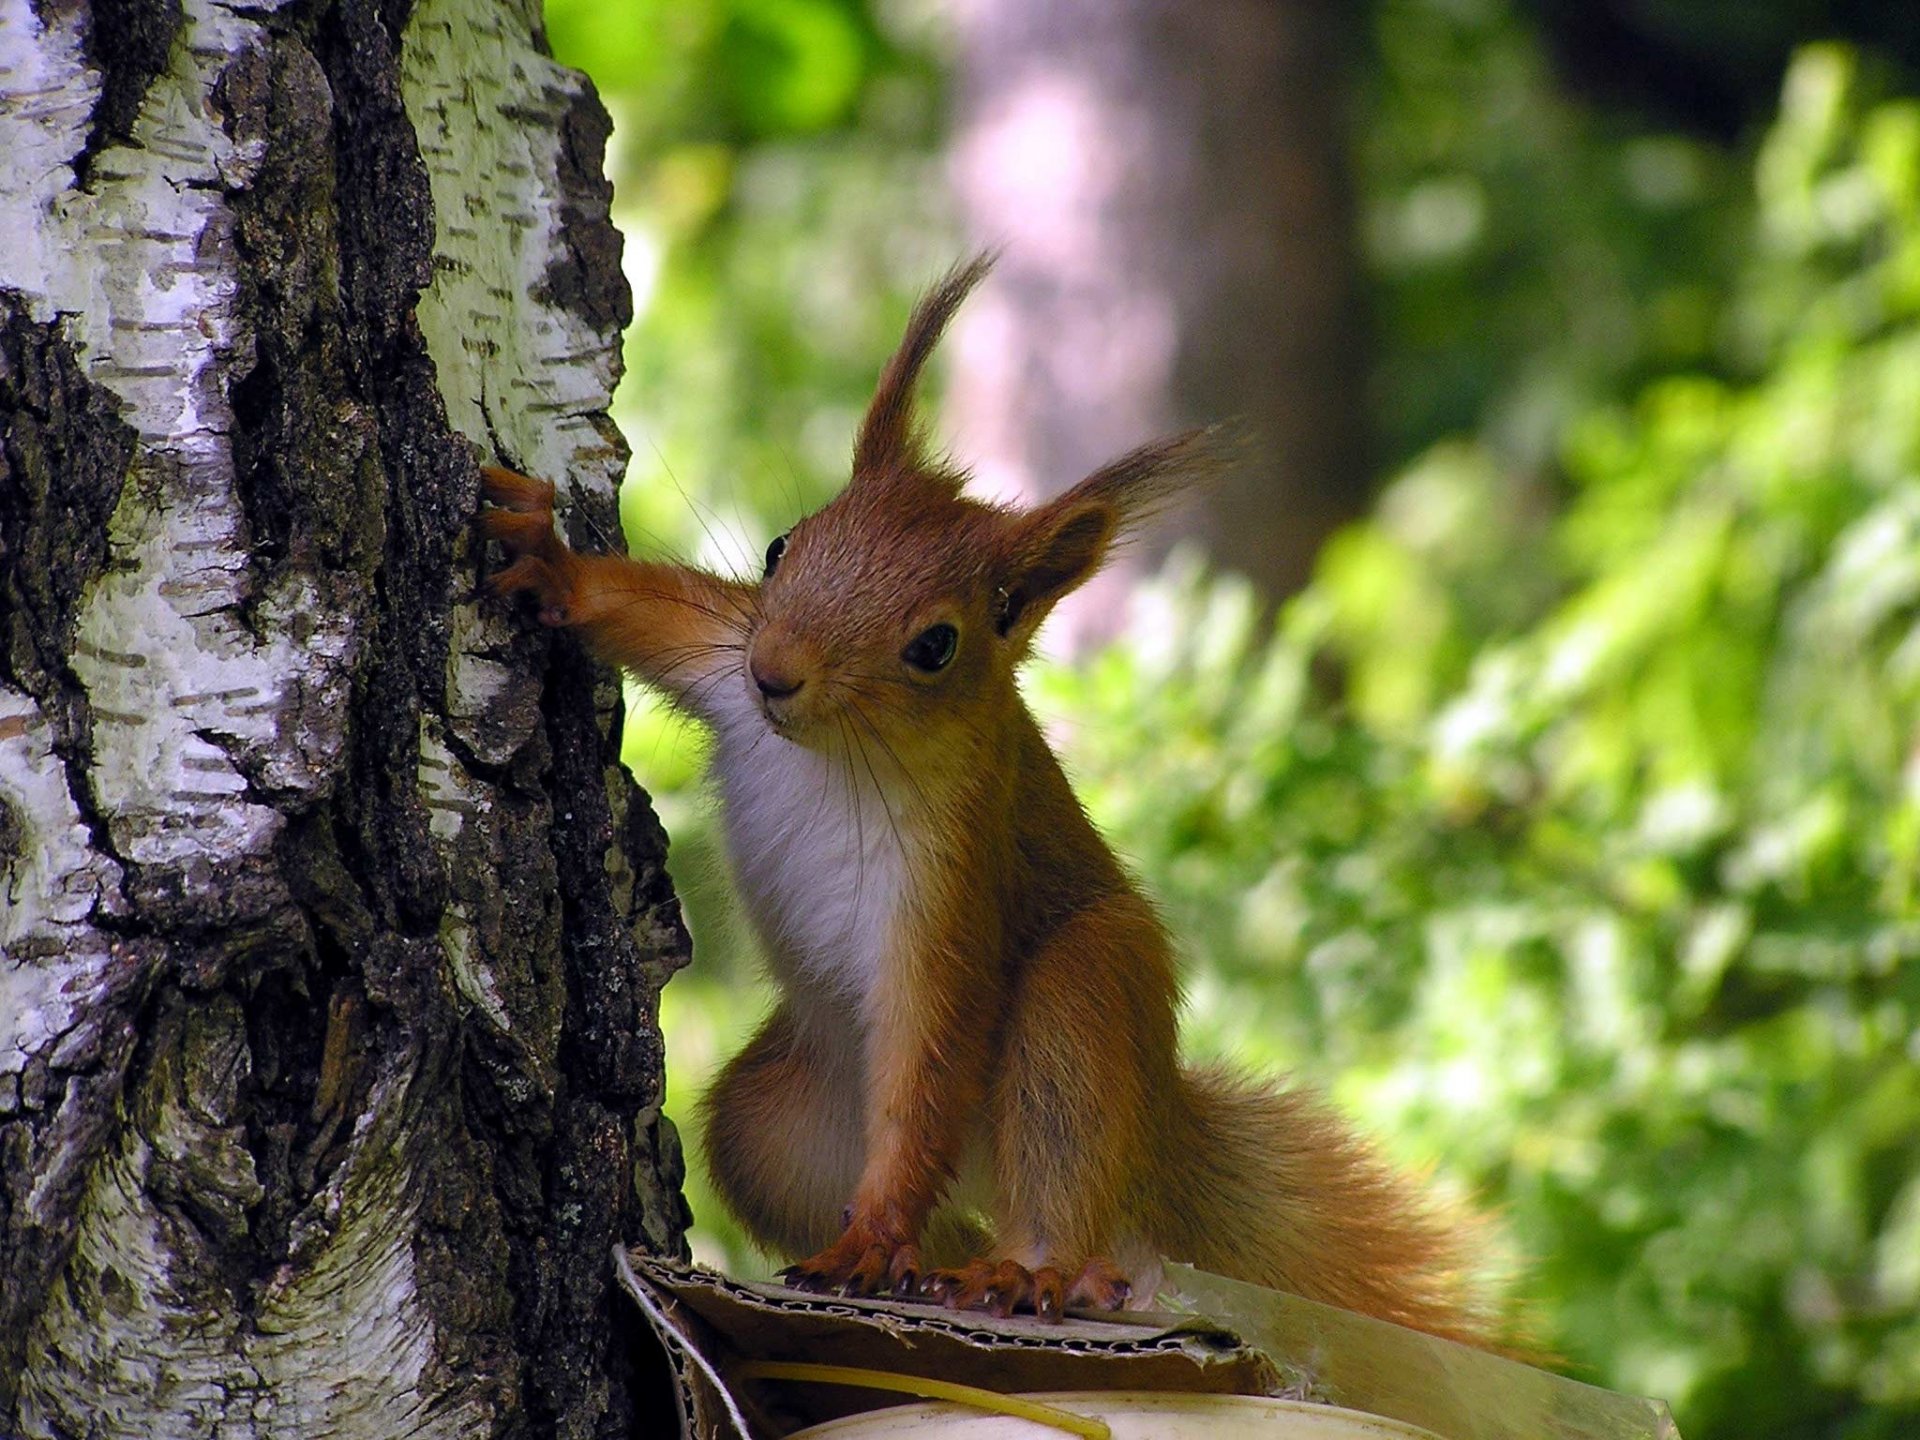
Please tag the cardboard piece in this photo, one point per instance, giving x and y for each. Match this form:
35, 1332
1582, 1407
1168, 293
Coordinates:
1232, 1339
711, 1325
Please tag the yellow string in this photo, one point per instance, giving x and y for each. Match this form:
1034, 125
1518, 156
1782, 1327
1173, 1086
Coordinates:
971, 1395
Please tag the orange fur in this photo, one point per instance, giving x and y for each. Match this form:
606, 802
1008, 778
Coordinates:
974, 991
675, 627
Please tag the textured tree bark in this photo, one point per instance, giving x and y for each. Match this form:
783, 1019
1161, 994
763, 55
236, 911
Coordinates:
1169, 183
331, 933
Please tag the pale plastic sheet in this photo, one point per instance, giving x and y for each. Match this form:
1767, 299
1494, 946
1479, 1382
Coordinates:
1453, 1390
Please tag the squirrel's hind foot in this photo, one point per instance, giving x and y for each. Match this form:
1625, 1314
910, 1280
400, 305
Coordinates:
1004, 1287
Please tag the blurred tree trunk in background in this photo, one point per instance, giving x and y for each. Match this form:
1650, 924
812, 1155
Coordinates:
330, 933
1170, 183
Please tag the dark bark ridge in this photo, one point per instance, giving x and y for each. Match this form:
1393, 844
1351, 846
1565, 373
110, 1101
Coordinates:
64, 454
586, 277
128, 41
441, 1006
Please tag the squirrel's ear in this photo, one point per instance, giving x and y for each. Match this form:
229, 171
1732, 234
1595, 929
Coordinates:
1060, 545
888, 440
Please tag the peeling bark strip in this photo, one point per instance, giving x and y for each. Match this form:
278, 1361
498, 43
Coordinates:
331, 936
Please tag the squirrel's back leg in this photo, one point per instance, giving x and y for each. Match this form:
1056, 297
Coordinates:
1090, 1028
784, 1136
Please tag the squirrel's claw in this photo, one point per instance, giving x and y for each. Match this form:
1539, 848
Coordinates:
904, 1270
1100, 1285
1049, 1293
800, 1277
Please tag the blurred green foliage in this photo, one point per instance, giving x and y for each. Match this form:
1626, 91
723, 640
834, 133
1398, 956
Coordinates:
776, 165
1530, 255
1597, 877
1567, 827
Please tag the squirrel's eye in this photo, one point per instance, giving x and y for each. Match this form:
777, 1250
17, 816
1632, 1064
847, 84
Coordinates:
775, 550
932, 648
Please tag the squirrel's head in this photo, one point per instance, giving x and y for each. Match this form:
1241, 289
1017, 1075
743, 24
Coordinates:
896, 616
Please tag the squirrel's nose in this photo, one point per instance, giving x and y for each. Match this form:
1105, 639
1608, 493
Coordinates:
772, 683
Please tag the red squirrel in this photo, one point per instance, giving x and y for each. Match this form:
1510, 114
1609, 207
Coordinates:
977, 1005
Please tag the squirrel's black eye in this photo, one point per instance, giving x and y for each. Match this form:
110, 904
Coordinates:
775, 549
932, 648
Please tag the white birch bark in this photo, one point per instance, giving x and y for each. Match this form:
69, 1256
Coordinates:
329, 940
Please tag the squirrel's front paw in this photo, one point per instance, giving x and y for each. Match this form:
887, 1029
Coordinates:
521, 520
863, 1261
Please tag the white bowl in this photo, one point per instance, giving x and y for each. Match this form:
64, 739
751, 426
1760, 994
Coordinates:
1132, 1415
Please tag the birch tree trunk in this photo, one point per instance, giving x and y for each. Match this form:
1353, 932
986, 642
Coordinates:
330, 932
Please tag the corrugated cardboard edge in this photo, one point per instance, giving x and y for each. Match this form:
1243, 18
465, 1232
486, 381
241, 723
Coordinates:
709, 1324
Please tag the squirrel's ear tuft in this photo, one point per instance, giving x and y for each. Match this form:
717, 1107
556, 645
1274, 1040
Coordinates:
888, 437
1142, 482
1058, 546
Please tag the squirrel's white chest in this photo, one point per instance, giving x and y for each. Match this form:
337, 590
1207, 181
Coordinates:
819, 854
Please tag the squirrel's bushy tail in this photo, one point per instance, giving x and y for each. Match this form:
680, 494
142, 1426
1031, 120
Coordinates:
1269, 1185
